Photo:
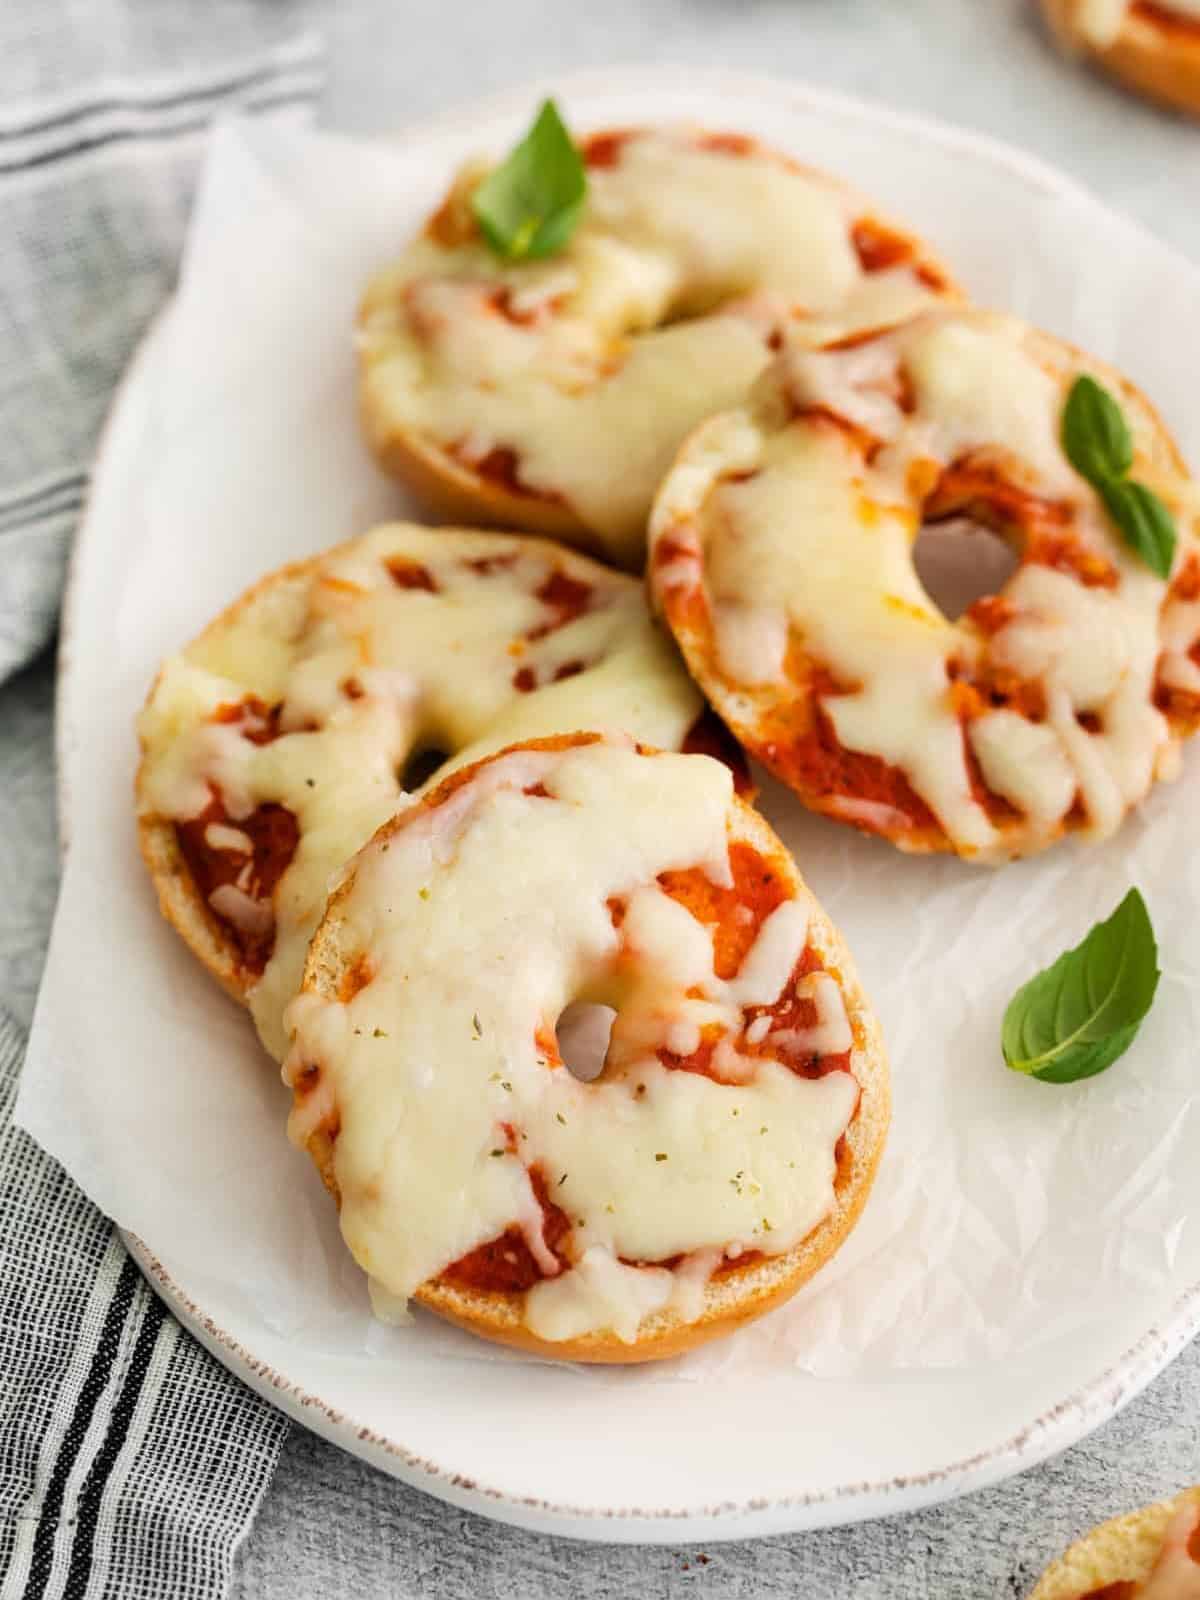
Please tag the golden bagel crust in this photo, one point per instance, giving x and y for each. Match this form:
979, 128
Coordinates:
1155, 54
431, 466
278, 599
1122, 1550
737, 1295
762, 717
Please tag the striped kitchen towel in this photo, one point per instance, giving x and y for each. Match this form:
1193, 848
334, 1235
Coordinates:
104, 109
131, 1463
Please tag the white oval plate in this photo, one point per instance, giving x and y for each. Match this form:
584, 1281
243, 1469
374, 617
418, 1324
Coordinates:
532, 1445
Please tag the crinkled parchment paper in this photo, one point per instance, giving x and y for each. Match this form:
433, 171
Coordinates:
1007, 1212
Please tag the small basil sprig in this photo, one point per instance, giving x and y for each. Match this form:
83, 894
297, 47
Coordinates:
528, 206
1099, 446
1078, 1015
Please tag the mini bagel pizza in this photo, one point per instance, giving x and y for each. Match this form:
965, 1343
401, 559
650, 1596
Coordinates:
283, 736
729, 1141
782, 559
552, 394
1152, 46
1152, 1554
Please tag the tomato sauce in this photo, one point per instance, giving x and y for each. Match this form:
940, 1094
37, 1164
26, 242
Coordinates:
501, 466
406, 574
1186, 583
1163, 16
795, 1013
802, 746
506, 1265
734, 913
668, 550
500, 301
708, 736
488, 566
274, 834
1067, 554
727, 144
978, 488
700, 1060
823, 419
1182, 704
272, 830
256, 721
789, 1013
604, 149
453, 223
990, 613
1124, 1589
566, 597
879, 248
355, 978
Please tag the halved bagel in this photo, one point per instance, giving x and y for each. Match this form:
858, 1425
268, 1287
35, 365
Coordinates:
283, 736
782, 559
726, 1148
552, 394
1151, 1554
1151, 46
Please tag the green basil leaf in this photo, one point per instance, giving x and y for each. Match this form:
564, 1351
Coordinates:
528, 207
1145, 523
1095, 435
1078, 1015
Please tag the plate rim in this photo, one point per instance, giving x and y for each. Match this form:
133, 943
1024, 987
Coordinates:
1054, 1429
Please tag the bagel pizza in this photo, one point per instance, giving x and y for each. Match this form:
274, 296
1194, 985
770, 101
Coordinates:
282, 737
551, 394
1152, 46
782, 560
1152, 1554
728, 1143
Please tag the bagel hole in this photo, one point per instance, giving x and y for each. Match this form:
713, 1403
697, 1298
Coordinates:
960, 561
583, 1032
421, 765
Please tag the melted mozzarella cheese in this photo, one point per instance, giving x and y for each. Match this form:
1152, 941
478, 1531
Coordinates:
975, 383
803, 536
598, 1292
595, 396
483, 920
428, 670
219, 837
837, 567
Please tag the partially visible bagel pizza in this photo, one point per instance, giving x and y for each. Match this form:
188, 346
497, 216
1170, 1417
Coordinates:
782, 559
552, 394
1151, 1554
282, 737
1152, 46
727, 1145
